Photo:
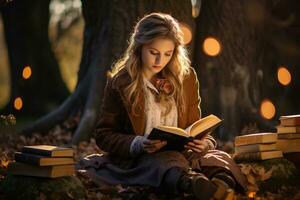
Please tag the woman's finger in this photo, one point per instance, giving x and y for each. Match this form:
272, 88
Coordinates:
154, 147
193, 146
199, 142
149, 142
196, 149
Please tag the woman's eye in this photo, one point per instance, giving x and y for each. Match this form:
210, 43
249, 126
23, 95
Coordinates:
168, 54
153, 53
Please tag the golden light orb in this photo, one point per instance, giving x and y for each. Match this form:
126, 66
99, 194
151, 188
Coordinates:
26, 72
267, 109
211, 46
187, 32
284, 76
18, 103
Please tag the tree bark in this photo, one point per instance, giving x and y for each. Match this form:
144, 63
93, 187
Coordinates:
26, 34
234, 83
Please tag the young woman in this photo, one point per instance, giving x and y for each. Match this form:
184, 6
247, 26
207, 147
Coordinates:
153, 84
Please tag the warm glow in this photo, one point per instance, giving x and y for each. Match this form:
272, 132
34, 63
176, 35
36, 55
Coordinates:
251, 194
18, 103
27, 72
187, 33
284, 76
109, 74
211, 46
267, 109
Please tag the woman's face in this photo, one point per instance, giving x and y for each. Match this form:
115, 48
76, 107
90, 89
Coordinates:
156, 55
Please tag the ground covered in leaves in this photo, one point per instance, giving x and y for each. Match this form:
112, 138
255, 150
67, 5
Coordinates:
11, 142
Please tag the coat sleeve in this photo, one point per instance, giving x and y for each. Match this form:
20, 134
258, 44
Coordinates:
194, 105
110, 131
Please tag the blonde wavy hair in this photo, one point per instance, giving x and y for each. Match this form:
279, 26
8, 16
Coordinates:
150, 27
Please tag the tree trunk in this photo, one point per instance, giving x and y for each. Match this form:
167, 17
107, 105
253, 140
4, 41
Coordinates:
234, 83
26, 34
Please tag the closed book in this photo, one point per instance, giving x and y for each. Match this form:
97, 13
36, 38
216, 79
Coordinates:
256, 138
255, 148
18, 168
289, 136
257, 156
290, 120
176, 137
42, 160
48, 150
288, 145
288, 129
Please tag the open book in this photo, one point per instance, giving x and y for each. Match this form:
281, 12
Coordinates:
177, 137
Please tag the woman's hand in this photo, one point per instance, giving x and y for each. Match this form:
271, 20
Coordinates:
198, 145
151, 146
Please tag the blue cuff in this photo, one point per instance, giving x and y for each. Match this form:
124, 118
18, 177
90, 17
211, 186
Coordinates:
136, 146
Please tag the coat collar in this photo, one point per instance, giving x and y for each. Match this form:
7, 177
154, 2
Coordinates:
138, 121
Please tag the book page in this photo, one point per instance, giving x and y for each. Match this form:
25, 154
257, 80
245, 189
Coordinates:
289, 116
174, 130
203, 125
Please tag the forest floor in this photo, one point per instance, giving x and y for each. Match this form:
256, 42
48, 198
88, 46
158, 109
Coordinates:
11, 142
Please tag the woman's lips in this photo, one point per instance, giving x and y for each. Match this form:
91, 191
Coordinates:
155, 66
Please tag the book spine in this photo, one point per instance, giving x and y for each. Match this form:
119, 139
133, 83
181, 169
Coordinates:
40, 152
290, 122
248, 140
19, 157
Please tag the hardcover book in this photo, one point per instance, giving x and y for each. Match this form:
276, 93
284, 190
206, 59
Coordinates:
17, 168
255, 148
256, 138
288, 145
176, 137
289, 136
288, 129
42, 160
290, 120
47, 150
257, 156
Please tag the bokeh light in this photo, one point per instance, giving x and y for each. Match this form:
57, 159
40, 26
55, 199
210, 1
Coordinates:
18, 103
26, 72
267, 109
211, 46
284, 76
187, 32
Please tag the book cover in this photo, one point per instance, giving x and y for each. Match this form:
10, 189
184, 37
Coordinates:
255, 148
48, 150
176, 137
289, 136
42, 160
17, 168
290, 120
288, 129
288, 145
256, 138
257, 156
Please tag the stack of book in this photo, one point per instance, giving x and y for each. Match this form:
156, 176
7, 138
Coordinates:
255, 147
289, 134
43, 161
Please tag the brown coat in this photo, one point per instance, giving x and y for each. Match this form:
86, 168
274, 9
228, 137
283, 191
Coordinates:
117, 126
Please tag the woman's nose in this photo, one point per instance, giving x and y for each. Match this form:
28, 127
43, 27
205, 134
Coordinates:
157, 59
